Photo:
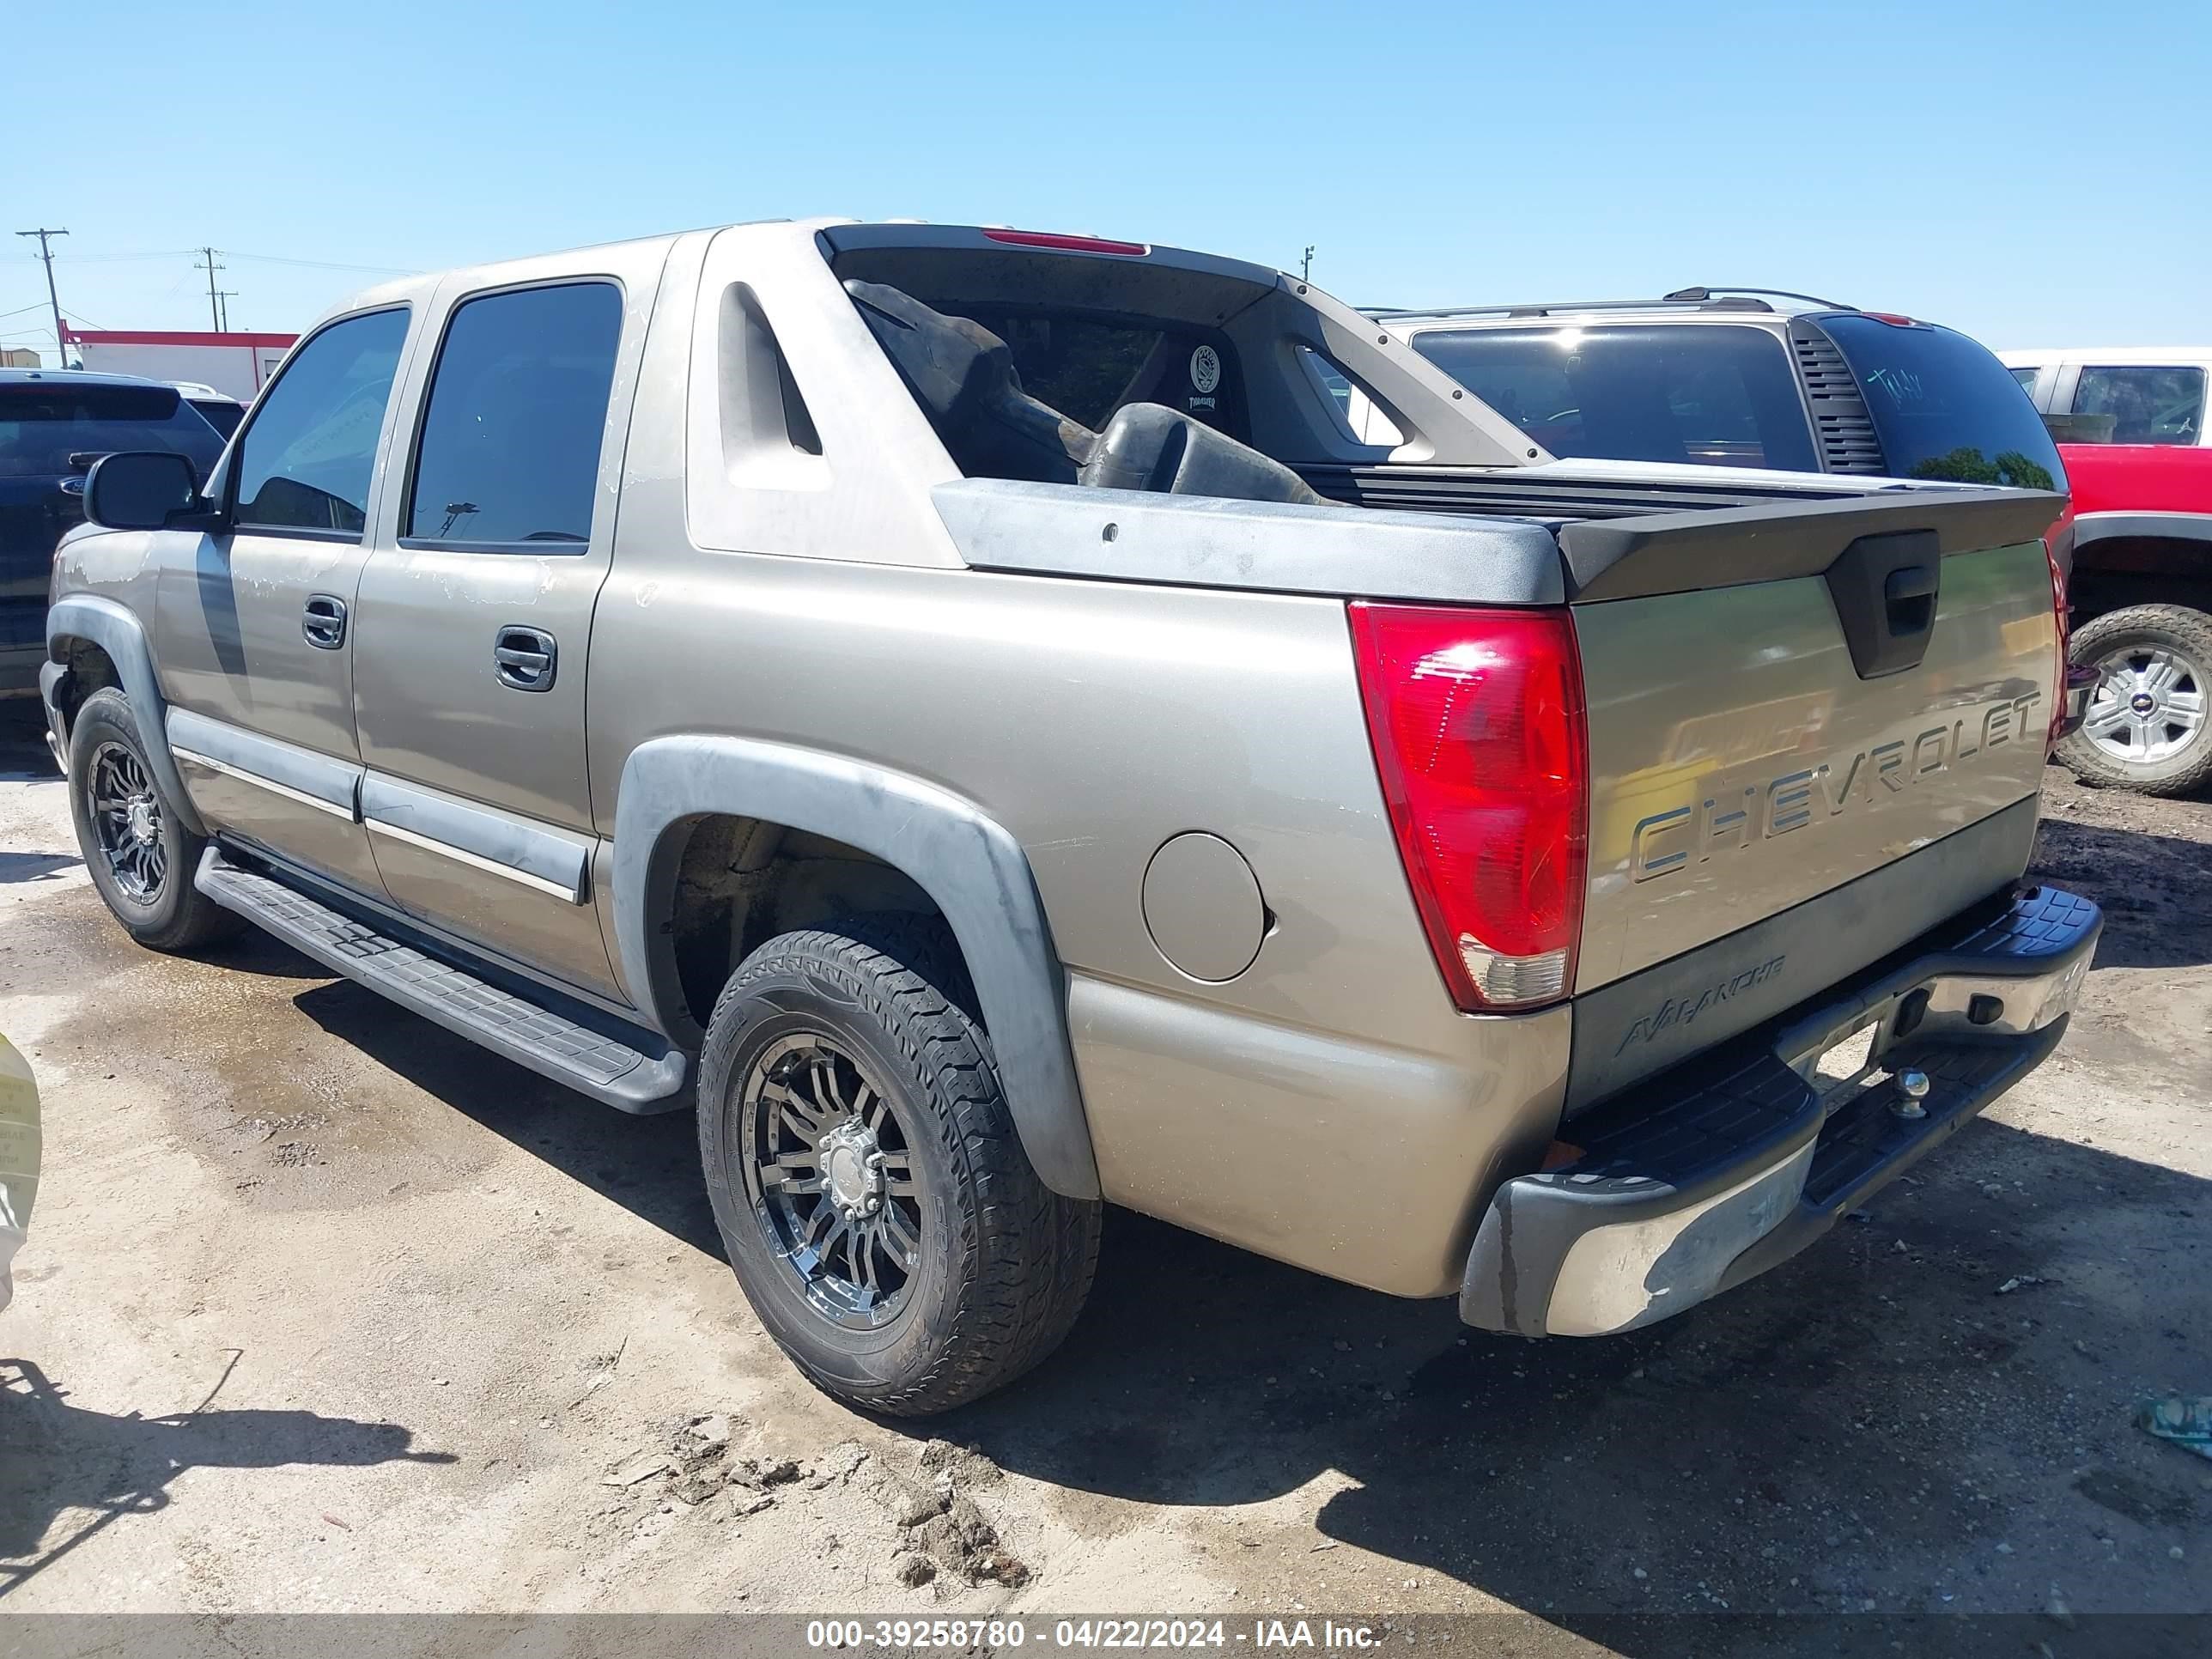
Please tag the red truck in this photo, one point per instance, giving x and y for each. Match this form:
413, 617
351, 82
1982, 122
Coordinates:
2137, 544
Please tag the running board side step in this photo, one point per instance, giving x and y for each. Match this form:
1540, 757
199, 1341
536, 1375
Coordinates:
549, 1043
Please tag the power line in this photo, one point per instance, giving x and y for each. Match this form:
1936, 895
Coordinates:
46, 253
261, 259
118, 258
321, 265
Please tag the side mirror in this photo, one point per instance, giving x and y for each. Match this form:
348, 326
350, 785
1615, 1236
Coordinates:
139, 491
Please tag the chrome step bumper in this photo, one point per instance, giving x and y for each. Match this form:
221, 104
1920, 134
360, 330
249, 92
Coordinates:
1704, 1175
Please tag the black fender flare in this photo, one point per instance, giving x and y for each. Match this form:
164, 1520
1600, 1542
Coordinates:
967, 863
2089, 527
115, 630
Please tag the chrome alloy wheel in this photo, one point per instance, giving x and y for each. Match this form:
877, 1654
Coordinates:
2148, 706
829, 1172
126, 818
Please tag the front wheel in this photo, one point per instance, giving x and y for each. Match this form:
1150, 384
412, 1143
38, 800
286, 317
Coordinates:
866, 1176
2146, 725
141, 856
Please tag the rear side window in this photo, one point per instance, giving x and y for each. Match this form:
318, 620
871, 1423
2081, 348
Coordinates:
304, 465
1713, 395
2149, 405
44, 422
509, 454
1943, 407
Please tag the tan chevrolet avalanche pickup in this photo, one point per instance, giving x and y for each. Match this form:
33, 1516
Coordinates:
963, 709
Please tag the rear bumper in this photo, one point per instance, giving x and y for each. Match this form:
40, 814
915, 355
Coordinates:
1704, 1175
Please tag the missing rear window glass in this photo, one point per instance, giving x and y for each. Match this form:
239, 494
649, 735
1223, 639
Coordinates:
1087, 367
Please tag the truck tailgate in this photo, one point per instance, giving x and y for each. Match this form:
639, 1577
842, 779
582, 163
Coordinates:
1784, 700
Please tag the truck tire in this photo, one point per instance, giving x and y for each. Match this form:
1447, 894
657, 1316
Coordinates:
2149, 727
870, 1187
141, 856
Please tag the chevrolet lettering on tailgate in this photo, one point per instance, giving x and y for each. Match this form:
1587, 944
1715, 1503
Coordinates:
1669, 840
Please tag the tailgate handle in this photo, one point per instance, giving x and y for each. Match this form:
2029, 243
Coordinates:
1884, 589
1909, 597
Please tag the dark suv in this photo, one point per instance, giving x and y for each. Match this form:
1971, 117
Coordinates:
1743, 378
54, 424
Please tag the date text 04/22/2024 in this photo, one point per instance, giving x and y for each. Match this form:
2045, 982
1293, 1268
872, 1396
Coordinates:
1001, 1634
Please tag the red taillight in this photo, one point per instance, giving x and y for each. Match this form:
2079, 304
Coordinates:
1890, 318
1069, 244
2063, 612
1477, 722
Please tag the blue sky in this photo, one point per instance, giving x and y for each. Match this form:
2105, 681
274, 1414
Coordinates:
2034, 173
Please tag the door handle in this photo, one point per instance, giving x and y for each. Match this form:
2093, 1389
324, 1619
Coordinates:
324, 621
528, 658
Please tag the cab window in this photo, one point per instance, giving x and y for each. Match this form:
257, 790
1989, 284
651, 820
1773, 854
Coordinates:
304, 464
510, 453
2149, 405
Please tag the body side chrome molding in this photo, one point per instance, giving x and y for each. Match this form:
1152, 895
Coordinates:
322, 781
545, 860
260, 783
475, 862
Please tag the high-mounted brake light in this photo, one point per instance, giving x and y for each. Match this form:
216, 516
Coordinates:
1477, 726
1067, 244
1890, 318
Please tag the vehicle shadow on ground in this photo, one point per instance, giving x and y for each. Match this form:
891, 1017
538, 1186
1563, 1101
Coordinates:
2153, 888
1853, 1426
61, 1461
649, 1165
23, 749
1866, 1423
35, 866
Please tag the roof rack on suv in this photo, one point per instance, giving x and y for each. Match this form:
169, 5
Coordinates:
1710, 299
1708, 292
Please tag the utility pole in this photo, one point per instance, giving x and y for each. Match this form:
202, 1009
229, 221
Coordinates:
1305, 265
223, 297
61, 350
215, 307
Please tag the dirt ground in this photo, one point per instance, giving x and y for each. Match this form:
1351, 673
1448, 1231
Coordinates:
323, 1309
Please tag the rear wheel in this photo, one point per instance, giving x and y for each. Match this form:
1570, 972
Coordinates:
141, 856
866, 1177
2148, 725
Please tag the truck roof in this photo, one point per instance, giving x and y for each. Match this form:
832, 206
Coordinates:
854, 233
